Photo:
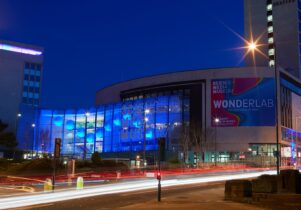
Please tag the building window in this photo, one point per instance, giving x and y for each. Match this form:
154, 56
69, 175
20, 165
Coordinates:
270, 18
269, 7
271, 63
270, 29
271, 40
271, 52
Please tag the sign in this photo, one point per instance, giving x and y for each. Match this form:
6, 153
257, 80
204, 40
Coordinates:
243, 102
57, 148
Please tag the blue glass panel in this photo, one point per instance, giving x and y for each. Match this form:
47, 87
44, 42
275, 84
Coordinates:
69, 133
90, 137
70, 125
58, 121
99, 133
107, 142
44, 143
80, 132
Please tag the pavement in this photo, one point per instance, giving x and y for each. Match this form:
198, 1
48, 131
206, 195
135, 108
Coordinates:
211, 199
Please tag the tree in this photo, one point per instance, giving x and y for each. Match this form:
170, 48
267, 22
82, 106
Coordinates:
7, 139
184, 142
201, 141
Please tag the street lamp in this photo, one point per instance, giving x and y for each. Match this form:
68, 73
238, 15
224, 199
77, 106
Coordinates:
145, 120
216, 121
252, 46
19, 115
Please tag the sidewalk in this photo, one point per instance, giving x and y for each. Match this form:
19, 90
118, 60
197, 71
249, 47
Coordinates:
212, 199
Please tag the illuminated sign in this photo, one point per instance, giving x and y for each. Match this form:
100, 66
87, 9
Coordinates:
19, 49
243, 102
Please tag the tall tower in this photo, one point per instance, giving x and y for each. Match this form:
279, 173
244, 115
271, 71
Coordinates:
275, 24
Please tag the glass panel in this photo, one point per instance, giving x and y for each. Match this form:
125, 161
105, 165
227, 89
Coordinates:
80, 133
57, 126
116, 128
69, 132
108, 129
99, 130
90, 138
44, 143
136, 130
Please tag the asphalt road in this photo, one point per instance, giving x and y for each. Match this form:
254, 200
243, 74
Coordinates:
126, 200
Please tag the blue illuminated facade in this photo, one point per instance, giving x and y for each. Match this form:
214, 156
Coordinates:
127, 127
129, 117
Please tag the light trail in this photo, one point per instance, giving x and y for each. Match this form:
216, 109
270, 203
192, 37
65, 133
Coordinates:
43, 198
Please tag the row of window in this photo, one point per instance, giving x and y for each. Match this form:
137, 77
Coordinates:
31, 95
35, 66
270, 29
31, 84
32, 72
182, 92
31, 101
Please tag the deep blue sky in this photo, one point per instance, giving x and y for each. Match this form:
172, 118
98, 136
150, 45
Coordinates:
94, 43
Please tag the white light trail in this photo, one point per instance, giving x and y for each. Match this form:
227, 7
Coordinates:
42, 198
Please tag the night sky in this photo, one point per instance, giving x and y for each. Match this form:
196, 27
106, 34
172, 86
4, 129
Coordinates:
95, 43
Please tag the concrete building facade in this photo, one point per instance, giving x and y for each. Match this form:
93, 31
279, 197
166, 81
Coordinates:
275, 24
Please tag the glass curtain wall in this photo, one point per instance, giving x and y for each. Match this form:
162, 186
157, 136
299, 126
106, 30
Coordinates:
131, 126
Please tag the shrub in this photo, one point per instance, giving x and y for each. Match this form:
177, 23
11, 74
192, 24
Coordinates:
4, 164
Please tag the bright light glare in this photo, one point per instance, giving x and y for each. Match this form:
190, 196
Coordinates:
41, 198
252, 46
216, 120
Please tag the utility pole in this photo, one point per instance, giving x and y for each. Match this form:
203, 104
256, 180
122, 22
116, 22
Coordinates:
57, 155
277, 111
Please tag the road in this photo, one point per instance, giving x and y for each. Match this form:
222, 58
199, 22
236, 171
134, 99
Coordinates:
117, 188
123, 200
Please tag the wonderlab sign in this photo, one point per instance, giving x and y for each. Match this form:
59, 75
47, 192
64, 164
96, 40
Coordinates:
243, 102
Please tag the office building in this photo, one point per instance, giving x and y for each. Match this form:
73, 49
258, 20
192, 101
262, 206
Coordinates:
21, 68
275, 24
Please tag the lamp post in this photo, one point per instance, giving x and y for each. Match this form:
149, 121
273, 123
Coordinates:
145, 120
33, 125
19, 115
252, 46
216, 121
276, 72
